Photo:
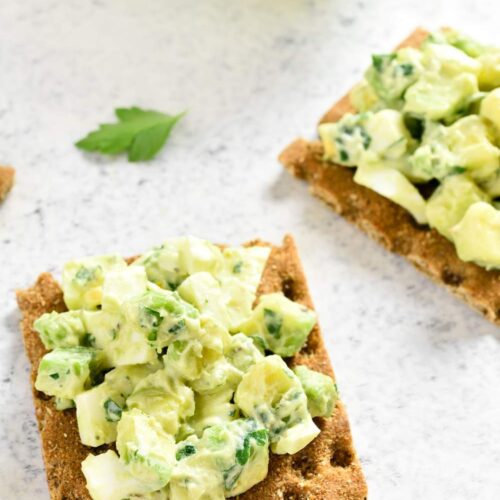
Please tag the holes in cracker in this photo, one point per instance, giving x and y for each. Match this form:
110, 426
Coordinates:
288, 288
342, 457
451, 278
304, 465
294, 493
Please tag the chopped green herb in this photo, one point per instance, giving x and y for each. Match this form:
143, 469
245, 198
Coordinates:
88, 340
177, 327
139, 132
380, 61
457, 170
55, 376
407, 69
185, 451
344, 156
237, 267
113, 410
273, 322
243, 454
84, 275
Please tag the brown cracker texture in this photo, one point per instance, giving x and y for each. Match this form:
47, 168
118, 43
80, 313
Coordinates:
390, 224
7, 175
327, 469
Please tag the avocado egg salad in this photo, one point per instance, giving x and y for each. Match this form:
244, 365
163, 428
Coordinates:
428, 121
170, 365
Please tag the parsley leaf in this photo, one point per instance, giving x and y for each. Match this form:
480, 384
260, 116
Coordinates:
139, 132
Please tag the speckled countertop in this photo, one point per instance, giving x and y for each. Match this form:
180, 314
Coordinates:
418, 370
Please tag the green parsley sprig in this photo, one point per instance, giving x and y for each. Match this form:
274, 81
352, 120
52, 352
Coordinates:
139, 132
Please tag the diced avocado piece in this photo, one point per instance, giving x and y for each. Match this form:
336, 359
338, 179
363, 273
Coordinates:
448, 60
477, 235
64, 373
271, 394
196, 476
170, 264
489, 76
130, 347
242, 352
195, 360
164, 397
491, 185
345, 141
145, 448
212, 409
435, 97
490, 108
240, 278
448, 204
295, 438
184, 359
102, 327
99, 409
363, 97
216, 370
204, 292
227, 461
214, 337
390, 139
241, 451
65, 329
453, 37
433, 159
122, 285
282, 324
470, 139
82, 280
391, 183
464, 146
108, 479
62, 404
320, 390
217, 374
391, 74
162, 317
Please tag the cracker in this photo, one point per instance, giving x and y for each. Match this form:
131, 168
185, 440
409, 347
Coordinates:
328, 468
6, 180
390, 224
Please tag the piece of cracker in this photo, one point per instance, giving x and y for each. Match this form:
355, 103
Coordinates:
328, 468
389, 223
7, 175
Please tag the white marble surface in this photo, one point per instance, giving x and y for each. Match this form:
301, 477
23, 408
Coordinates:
418, 370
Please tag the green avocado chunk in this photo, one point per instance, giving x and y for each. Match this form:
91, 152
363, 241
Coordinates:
281, 324
477, 235
320, 390
99, 409
164, 397
65, 329
109, 479
435, 97
147, 451
82, 280
272, 394
171, 263
227, 460
66, 372
391, 74
448, 204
